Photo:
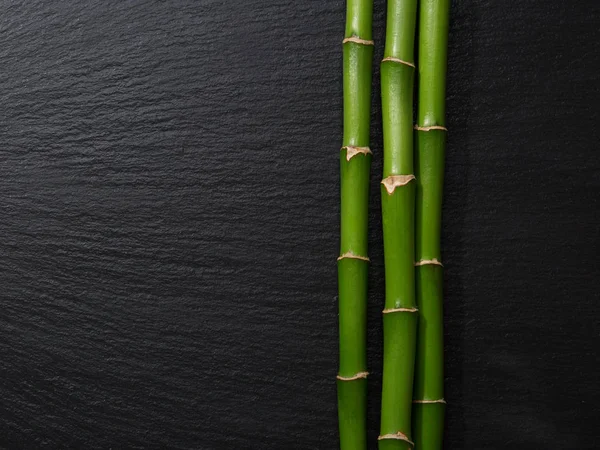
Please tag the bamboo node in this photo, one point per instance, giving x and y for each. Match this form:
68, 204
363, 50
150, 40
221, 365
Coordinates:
397, 310
398, 435
394, 181
439, 400
399, 61
431, 128
358, 376
358, 40
352, 151
425, 262
351, 255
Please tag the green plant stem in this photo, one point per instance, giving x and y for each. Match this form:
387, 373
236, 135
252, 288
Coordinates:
355, 164
400, 314
429, 404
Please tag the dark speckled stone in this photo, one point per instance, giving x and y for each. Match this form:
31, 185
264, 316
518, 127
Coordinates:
169, 219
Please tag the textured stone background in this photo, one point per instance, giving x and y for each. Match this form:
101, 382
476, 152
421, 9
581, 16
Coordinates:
169, 219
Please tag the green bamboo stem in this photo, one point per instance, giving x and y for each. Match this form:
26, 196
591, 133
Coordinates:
355, 164
397, 202
429, 404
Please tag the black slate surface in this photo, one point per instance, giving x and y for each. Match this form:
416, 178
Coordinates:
169, 219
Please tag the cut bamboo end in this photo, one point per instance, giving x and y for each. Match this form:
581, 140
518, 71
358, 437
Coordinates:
358, 376
431, 128
398, 435
399, 61
358, 40
399, 310
439, 400
427, 262
352, 151
351, 255
394, 181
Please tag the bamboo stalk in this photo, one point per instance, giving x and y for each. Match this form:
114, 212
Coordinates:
397, 202
429, 404
355, 164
